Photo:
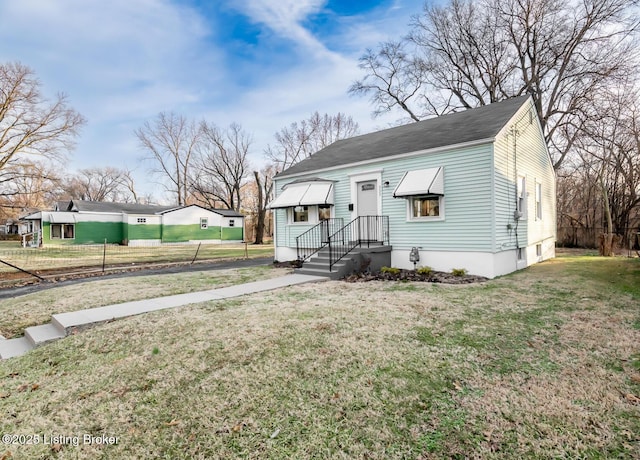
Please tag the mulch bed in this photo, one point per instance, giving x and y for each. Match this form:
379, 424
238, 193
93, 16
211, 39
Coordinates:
410, 275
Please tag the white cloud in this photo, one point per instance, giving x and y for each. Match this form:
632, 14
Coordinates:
285, 18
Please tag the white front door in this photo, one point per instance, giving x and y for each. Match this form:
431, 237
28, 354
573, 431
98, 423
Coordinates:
367, 198
367, 202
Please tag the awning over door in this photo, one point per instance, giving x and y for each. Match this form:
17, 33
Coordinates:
304, 194
421, 182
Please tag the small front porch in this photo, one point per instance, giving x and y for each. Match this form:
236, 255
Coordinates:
336, 250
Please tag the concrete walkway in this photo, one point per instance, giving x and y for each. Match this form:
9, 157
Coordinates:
63, 323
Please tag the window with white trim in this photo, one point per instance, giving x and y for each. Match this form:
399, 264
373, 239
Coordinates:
204, 223
63, 231
522, 195
232, 223
538, 201
142, 220
426, 207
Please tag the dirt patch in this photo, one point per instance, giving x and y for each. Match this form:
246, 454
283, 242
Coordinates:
411, 275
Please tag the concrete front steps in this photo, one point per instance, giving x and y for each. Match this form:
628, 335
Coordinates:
33, 337
64, 323
357, 261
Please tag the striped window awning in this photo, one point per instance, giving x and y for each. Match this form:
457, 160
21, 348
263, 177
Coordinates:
421, 182
304, 194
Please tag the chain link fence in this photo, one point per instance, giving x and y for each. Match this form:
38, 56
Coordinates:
16, 260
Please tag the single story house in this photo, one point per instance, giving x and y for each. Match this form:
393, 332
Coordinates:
472, 190
92, 222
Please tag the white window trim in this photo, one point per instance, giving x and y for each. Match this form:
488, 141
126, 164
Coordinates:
313, 216
204, 223
61, 237
521, 191
409, 207
538, 201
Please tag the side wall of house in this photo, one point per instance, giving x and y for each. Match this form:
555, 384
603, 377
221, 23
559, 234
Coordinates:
521, 154
184, 225
89, 228
143, 229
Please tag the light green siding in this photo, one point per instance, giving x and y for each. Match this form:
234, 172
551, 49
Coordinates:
468, 192
520, 150
183, 233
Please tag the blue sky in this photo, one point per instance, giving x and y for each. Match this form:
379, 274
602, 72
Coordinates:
261, 63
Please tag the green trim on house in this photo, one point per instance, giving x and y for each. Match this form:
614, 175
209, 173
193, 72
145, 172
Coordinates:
97, 232
86, 233
144, 232
231, 234
184, 233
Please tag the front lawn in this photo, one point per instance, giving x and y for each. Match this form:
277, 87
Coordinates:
543, 363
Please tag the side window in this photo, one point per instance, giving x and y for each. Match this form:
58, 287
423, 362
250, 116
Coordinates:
538, 201
522, 195
232, 223
56, 231
324, 212
204, 223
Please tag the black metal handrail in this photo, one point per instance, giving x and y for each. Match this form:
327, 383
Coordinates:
316, 238
369, 230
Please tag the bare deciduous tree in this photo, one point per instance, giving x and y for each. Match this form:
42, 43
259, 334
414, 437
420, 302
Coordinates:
170, 143
100, 184
222, 165
264, 187
610, 149
301, 140
474, 53
27, 186
33, 133
29, 124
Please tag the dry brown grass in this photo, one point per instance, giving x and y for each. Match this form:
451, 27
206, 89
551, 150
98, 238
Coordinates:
539, 364
33, 309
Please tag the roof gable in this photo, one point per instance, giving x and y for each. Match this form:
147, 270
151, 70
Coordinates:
222, 212
482, 123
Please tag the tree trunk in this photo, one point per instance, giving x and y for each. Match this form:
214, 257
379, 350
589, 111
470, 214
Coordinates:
605, 244
259, 232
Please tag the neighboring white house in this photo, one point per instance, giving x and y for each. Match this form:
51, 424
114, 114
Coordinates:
472, 190
91, 222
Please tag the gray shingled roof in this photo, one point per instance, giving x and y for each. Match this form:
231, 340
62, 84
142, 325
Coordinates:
134, 208
228, 212
457, 128
101, 206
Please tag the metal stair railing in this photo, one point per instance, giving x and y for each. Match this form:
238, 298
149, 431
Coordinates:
363, 230
316, 238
